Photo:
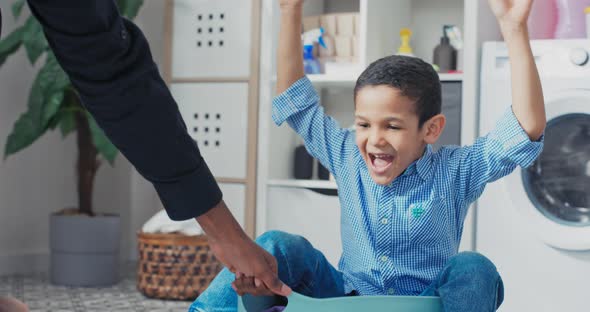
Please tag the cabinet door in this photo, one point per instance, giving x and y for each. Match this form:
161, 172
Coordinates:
211, 38
234, 196
216, 117
451, 108
309, 214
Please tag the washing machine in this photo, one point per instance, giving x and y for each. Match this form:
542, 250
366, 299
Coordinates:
534, 224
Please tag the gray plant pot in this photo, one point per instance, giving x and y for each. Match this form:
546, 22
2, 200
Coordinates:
84, 250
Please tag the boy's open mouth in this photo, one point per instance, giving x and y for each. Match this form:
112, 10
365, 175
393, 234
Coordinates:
380, 162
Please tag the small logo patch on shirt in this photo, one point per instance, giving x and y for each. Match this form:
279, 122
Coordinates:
417, 211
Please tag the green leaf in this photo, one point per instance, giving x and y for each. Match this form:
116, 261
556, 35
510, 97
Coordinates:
47, 93
34, 39
52, 124
55, 91
51, 107
17, 7
129, 8
24, 133
102, 143
132, 8
35, 102
11, 43
67, 122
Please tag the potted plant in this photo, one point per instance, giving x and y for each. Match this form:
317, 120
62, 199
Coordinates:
84, 245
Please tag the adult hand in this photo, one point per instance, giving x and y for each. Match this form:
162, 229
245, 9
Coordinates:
238, 252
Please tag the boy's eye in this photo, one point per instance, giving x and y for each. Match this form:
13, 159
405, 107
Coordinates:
362, 125
392, 127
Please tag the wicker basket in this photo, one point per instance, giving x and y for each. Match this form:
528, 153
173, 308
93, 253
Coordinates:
175, 266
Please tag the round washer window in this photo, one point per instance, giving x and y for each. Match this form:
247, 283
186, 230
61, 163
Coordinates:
558, 182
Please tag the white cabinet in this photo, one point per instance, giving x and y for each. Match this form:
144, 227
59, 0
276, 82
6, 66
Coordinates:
212, 68
216, 115
379, 25
211, 38
233, 195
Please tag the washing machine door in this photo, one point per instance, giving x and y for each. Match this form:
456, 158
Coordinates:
554, 193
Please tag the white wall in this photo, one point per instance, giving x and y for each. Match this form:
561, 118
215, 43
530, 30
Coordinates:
40, 180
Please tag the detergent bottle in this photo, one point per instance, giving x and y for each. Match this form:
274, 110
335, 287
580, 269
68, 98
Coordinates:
445, 55
310, 62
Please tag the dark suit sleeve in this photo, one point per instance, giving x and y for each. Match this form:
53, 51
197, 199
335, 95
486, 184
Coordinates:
109, 62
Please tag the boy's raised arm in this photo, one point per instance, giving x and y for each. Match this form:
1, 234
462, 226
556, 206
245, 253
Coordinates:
527, 96
289, 55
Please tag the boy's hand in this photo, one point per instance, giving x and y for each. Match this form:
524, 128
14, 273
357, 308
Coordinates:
250, 285
511, 13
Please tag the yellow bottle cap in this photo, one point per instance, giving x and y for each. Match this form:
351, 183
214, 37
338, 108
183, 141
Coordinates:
587, 10
405, 48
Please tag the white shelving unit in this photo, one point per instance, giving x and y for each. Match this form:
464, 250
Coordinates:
308, 184
348, 81
378, 36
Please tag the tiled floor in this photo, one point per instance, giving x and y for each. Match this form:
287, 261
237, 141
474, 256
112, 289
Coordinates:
38, 293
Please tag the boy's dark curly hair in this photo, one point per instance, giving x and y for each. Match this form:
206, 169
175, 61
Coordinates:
415, 79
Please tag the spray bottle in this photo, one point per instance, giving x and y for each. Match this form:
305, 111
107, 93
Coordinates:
311, 64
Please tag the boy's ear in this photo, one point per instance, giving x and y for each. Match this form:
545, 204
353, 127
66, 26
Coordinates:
433, 128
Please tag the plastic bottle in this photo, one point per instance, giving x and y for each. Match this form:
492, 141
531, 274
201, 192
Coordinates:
405, 48
571, 20
542, 20
310, 62
445, 55
587, 13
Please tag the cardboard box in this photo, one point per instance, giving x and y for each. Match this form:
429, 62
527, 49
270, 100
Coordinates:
330, 49
311, 22
345, 24
328, 22
355, 47
343, 46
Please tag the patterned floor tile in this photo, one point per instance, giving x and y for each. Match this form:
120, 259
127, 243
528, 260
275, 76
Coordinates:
41, 296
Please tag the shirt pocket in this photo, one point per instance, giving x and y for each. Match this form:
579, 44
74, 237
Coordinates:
429, 223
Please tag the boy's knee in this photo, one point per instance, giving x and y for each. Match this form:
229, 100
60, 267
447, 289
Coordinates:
272, 241
474, 264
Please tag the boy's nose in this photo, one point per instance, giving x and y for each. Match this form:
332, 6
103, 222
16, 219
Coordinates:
376, 139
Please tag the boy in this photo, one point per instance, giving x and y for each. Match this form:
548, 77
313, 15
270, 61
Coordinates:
402, 204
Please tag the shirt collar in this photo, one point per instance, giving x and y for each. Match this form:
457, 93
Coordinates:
422, 165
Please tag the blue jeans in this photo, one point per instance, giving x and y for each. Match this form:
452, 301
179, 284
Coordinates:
469, 282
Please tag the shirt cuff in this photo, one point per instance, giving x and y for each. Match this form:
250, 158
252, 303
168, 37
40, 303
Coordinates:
515, 142
296, 98
191, 195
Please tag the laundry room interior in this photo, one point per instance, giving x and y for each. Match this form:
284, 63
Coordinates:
174, 155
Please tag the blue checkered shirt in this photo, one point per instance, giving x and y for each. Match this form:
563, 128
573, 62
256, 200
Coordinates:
397, 238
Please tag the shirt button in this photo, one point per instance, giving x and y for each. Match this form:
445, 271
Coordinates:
391, 291
384, 258
384, 221
123, 34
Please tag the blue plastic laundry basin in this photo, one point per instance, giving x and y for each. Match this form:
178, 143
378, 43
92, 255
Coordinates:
301, 303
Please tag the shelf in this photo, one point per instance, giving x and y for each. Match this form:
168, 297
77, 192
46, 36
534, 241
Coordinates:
331, 80
348, 81
309, 184
323, 80
451, 77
